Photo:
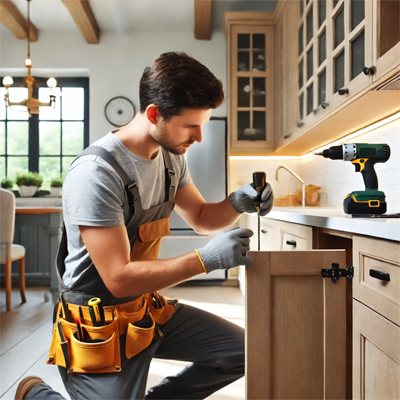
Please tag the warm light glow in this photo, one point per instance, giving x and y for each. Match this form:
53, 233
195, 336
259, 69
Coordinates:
348, 138
8, 81
343, 140
260, 158
28, 62
51, 82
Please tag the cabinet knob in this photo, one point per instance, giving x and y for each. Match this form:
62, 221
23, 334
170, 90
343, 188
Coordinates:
291, 243
324, 105
382, 276
369, 70
343, 92
264, 231
300, 124
287, 136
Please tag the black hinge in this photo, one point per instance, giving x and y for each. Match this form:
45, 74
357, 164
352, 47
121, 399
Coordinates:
335, 273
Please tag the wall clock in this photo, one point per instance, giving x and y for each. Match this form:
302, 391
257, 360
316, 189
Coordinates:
119, 111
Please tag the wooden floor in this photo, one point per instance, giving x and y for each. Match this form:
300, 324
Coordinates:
25, 336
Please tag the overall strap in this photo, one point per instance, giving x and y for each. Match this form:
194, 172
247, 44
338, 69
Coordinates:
131, 188
170, 177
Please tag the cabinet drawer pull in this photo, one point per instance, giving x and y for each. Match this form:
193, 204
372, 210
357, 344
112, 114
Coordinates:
291, 243
343, 91
264, 231
382, 276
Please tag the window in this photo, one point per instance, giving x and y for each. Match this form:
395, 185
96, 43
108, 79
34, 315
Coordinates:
47, 142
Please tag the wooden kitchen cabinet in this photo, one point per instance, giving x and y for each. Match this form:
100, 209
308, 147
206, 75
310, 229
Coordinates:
295, 326
274, 235
386, 51
250, 38
376, 313
338, 56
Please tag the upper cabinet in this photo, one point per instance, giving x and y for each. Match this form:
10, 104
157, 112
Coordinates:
333, 70
251, 82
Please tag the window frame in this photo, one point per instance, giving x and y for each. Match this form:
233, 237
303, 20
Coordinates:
33, 133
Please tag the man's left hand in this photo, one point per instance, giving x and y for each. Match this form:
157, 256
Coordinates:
246, 199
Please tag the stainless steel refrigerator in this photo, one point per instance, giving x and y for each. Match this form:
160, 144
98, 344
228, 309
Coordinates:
207, 162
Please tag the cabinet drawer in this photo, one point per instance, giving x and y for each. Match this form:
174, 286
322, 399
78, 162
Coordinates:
380, 257
292, 242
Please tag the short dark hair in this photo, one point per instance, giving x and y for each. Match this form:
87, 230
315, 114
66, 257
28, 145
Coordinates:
175, 81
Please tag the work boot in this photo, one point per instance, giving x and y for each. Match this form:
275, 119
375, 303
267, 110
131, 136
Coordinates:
25, 386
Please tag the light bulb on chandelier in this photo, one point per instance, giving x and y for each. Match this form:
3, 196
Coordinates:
30, 105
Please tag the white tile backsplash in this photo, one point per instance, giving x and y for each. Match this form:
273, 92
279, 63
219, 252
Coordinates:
338, 178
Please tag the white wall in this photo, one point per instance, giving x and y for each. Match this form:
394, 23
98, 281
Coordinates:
115, 65
338, 178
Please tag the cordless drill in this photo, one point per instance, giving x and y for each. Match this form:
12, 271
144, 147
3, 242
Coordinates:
364, 156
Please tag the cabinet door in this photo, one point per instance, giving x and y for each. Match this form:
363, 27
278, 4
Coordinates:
386, 37
335, 41
251, 96
295, 326
376, 355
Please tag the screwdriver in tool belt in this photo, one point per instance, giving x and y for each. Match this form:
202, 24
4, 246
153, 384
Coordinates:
259, 183
96, 312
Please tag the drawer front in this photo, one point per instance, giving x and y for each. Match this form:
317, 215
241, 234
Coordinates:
375, 261
292, 242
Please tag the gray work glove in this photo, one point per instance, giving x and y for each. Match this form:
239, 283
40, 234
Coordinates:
227, 249
245, 199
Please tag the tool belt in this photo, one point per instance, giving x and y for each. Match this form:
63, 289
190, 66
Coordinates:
99, 351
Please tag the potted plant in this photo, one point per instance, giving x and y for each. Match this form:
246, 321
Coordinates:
56, 186
29, 183
7, 183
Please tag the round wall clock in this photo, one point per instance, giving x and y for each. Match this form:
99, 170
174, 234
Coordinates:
119, 111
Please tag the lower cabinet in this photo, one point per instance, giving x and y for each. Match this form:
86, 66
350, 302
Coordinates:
295, 326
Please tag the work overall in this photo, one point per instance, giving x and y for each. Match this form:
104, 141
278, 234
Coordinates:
113, 360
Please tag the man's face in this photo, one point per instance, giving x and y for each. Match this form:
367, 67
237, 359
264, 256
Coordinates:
181, 131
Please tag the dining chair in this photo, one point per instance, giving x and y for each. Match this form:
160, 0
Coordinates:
10, 252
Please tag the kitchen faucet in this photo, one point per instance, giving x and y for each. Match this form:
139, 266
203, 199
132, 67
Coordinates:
303, 192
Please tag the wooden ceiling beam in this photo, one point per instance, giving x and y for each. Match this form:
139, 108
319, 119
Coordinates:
83, 16
11, 18
202, 19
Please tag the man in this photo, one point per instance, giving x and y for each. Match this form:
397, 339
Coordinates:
116, 206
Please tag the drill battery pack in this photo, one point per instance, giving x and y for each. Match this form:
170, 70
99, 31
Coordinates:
365, 202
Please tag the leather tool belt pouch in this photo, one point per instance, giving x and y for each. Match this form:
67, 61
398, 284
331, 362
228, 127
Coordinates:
99, 352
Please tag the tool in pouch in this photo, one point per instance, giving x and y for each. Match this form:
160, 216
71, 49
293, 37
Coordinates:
259, 183
96, 312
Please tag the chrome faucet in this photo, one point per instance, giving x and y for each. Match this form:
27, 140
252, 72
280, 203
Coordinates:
303, 193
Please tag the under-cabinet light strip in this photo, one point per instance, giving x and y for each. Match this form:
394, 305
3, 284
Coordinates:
353, 135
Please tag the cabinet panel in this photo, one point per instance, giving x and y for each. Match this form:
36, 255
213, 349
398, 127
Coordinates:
376, 355
295, 326
251, 82
382, 256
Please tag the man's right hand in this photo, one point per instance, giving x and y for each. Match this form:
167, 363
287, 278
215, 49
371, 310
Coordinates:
227, 249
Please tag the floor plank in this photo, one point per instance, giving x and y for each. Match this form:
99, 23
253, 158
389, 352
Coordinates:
26, 336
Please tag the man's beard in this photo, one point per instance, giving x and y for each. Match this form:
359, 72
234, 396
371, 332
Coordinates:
163, 139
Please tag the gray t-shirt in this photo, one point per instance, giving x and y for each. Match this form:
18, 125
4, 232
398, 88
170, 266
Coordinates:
94, 194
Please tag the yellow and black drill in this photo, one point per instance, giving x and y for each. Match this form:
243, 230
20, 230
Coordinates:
364, 156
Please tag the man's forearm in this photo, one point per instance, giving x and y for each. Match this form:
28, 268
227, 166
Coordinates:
138, 277
216, 216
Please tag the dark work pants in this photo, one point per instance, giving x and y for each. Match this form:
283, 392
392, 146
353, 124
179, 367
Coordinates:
214, 346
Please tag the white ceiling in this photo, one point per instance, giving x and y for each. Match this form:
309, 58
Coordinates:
126, 15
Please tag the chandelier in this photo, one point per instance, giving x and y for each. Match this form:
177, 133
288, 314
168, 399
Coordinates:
30, 104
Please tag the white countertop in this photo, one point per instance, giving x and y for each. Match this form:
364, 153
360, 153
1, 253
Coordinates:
335, 218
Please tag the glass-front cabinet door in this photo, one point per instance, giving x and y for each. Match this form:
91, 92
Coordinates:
334, 54
251, 88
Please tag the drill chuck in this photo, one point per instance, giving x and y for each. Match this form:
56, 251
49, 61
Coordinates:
346, 152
